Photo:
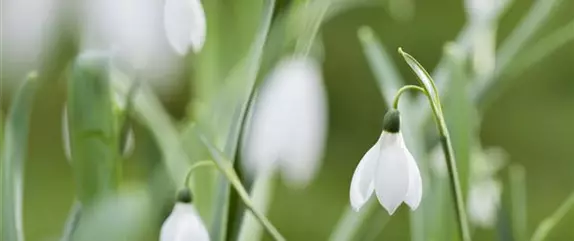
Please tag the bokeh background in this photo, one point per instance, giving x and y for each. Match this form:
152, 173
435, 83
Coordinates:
532, 119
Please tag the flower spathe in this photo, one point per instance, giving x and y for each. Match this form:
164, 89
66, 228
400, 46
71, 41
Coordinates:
389, 170
185, 25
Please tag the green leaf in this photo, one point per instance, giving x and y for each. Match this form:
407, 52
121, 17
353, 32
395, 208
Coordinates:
381, 63
550, 222
92, 128
518, 198
13, 158
125, 216
424, 78
149, 111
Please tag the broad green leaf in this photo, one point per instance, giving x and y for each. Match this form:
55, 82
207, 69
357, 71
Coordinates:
13, 158
92, 128
121, 217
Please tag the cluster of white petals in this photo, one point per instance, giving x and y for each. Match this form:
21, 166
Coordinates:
185, 25
287, 123
389, 170
183, 224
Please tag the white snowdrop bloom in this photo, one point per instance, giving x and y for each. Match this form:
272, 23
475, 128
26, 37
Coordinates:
184, 23
389, 170
483, 202
184, 222
287, 123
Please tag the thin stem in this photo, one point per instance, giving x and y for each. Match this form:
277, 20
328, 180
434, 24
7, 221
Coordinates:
224, 166
550, 222
196, 165
403, 89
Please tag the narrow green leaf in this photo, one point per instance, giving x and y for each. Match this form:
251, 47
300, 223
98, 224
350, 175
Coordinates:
424, 77
532, 22
519, 215
350, 223
13, 158
230, 108
261, 194
381, 63
92, 128
148, 109
550, 222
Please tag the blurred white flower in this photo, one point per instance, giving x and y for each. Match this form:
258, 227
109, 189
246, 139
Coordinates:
287, 123
483, 202
183, 224
484, 188
389, 170
184, 23
28, 29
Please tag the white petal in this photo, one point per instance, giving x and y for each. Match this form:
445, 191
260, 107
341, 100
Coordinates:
287, 126
66, 134
415, 192
362, 184
306, 114
391, 174
183, 224
184, 22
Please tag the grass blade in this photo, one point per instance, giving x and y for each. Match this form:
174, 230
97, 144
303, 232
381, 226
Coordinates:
549, 223
517, 179
386, 73
14, 155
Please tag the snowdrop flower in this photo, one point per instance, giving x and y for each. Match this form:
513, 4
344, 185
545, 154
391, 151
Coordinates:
184, 22
484, 10
184, 222
287, 124
389, 170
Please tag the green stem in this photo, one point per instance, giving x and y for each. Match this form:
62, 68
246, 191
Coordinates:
225, 167
550, 222
446, 143
403, 89
196, 165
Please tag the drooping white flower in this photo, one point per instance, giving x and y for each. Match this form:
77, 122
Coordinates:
184, 222
184, 23
287, 123
389, 170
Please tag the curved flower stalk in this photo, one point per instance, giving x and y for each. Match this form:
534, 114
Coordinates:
389, 170
184, 222
184, 23
287, 123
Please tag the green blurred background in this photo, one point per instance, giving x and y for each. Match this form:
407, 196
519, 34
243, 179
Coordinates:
532, 120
